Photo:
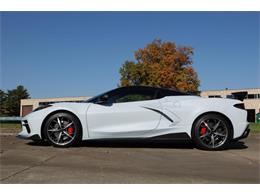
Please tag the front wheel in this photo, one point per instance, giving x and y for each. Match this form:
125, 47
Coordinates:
62, 130
212, 132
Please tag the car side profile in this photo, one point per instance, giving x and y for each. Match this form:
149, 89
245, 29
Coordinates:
140, 112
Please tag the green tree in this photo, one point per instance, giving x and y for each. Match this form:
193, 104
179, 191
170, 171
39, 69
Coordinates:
161, 64
12, 102
3, 97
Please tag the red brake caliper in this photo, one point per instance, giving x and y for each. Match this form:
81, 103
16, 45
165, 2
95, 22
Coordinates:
70, 130
203, 130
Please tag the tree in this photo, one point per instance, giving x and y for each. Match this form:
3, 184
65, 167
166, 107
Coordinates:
161, 64
3, 97
12, 102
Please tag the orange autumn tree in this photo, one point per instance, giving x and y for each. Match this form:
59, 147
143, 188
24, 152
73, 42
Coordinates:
161, 64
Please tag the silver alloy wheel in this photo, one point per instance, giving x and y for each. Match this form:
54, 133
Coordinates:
213, 132
61, 131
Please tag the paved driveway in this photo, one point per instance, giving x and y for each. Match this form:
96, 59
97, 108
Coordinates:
128, 162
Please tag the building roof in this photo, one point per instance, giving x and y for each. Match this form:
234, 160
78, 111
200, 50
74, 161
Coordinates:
243, 89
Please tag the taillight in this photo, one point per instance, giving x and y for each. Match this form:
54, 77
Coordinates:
240, 106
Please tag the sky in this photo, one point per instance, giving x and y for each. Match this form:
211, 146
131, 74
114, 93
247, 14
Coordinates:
64, 54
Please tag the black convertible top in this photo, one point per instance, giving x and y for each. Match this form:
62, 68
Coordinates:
164, 90
156, 91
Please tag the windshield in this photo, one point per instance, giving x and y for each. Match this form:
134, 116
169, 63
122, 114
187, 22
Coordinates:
93, 99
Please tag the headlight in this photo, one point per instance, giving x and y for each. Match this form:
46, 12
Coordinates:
42, 107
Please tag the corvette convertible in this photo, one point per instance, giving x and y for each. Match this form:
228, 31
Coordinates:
140, 113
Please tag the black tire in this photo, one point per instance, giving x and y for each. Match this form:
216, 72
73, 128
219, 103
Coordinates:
53, 131
203, 131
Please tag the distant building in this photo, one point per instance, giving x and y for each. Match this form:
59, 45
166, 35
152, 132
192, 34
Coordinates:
252, 100
28, 105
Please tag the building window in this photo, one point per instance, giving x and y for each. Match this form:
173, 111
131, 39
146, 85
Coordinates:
251, 96
214, 96
46, 103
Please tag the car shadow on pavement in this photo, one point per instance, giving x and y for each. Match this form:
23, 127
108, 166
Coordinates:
111, 143
237, 145
138, 144
153, 144
39, 143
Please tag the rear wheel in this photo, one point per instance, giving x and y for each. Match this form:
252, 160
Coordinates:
211, 132
62, 130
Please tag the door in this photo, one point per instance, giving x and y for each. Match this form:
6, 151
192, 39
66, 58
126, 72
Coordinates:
124, 114
26, 110
251, 115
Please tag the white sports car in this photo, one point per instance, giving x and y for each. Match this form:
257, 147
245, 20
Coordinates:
140, 112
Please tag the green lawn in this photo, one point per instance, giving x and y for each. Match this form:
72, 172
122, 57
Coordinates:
255, 128
10, 125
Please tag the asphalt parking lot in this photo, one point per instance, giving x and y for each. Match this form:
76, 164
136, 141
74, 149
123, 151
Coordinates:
23, 161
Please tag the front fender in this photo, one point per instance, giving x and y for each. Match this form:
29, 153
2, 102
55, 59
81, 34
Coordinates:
36, 119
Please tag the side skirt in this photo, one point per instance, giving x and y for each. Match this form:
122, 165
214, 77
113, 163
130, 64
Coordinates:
169, 137
172, 136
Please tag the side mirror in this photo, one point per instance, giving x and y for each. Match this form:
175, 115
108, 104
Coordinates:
102, 99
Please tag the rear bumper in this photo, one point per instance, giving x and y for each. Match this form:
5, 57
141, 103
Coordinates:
244, 134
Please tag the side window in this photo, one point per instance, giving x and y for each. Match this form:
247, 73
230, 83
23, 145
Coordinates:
134, 95
133, 98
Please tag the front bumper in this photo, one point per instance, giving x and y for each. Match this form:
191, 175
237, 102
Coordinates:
244, 134
32, 137
26, 132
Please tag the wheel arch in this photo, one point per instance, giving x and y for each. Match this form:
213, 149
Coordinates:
213, 112
54, 112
